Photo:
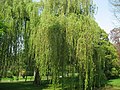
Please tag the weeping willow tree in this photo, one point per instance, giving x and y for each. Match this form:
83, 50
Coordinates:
58, 39
18, 18
64, 44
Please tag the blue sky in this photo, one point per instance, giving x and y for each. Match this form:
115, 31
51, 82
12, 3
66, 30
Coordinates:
104, 16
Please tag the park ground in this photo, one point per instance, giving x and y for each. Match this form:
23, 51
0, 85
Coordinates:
113, 84
7, 84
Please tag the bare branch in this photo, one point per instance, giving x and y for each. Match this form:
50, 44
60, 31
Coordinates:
115, 2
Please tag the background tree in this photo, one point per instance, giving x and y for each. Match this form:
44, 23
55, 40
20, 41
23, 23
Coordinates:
116, 10
115, 33
115, 39
15, 44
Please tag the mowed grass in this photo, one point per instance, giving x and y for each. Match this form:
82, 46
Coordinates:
14, 79
17, 86
21, 84
24, 86
114, 82
8, 84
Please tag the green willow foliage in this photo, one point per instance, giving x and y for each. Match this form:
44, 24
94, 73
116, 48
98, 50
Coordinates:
16, 15
64, 45
57, 37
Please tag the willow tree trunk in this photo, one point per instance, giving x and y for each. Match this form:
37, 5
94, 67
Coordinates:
37, 79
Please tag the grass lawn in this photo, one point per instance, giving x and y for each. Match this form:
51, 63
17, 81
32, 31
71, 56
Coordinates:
8, 84
24, 86
14, 84
14, 79
113, 84
17, 86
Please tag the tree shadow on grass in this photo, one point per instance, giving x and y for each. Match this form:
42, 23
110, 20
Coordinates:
22, 86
